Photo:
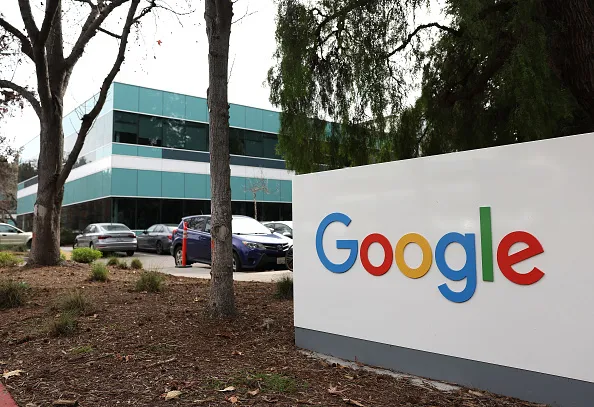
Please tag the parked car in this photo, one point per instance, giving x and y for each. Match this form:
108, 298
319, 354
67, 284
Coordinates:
156, 238
283, 227
289, 258
107, 237
13, 236
254, 245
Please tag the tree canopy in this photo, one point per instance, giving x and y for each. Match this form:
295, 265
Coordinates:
488, 78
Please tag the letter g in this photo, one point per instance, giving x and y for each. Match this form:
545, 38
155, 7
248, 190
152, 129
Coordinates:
353, 245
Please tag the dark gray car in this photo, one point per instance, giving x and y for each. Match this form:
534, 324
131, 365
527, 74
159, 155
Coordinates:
157, 238
107, 237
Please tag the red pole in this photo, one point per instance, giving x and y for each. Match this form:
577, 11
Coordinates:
184, 244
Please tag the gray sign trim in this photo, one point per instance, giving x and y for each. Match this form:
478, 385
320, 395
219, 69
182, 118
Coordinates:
523, 384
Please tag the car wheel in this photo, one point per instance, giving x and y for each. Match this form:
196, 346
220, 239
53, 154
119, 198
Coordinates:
92, 246
159, 248
29, 243
236, 262
75, 244
289, 259
178, 256
130, 253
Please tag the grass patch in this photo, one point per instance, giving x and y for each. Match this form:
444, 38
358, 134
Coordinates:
63, 256
271, 382
136, 264
122, 265
75, 303
113, 261
284, 288
65, 324
12, 294
99, 272
85, 255
82, 349
150, 281
9, 260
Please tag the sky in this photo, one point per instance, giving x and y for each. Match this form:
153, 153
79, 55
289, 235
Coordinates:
178, 64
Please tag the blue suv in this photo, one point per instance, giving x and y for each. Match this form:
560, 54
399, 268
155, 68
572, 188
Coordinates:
254, 245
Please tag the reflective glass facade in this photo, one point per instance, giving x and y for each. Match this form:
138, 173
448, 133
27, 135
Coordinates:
146, 160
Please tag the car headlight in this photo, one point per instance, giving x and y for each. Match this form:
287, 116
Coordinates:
253, 245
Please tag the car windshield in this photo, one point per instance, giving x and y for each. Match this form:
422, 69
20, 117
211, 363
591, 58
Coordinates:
171, 227
248, 226
115, 228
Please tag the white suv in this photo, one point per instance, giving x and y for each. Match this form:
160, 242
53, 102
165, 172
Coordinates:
12, 236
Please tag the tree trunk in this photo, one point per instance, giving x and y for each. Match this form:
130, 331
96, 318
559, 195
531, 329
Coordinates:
46, 218
572, 47
218, 15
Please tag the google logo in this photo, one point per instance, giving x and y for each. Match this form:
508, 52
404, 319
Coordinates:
505, 260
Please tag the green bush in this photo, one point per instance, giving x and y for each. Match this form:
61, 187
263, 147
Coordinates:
113, 261
284, 288
136, 264
150, 281
12, 294
75, 303
85, 255
9, 260
99, 272
67, 237
122, 265
19, 248
62, 256
65, 324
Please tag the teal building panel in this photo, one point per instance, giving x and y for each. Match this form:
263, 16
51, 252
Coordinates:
271, 122
124, 182
286, 191
125, 97
174, 105
195, 186
237, 116
106, 179
238, 189
208, 195
196, 109
150, 101
254, 118
151, 152
149, 183
274, 191
124, 149
173, 185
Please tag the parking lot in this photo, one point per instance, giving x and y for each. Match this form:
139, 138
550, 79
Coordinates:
166, 264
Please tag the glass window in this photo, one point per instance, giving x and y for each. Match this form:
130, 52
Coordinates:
115, 228
172, 210
197, 224
149, 212
197, 136
152, 228
7, 229
125, 127
125, 211
254, 143
174, 134
207, 226
159, 229
87, 229
269, 142
236, 141
150, 131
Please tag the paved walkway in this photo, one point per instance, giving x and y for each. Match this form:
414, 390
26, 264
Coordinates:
5, 398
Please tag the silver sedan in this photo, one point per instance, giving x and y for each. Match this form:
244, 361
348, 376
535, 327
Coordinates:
107, 237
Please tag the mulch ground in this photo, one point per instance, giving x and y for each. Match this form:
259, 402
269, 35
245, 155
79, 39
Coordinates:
133, 348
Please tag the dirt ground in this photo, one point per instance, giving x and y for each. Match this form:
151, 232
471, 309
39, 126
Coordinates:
134, 348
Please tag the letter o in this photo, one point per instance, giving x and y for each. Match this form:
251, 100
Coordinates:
386, 264
425, 265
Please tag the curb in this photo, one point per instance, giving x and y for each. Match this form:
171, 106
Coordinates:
5, 398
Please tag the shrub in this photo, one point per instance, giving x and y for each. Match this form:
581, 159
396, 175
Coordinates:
85, 255
99, 272
75, 303
19, 248
9, 260
284, 288
65, 324
12, 294
123, 265
136, 264
113, 261
62, 256
150, 281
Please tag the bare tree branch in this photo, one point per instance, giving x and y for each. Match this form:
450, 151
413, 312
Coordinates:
25, 44
89, 118
27, 94
27, 16
114, 35
416, 31
50, 12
